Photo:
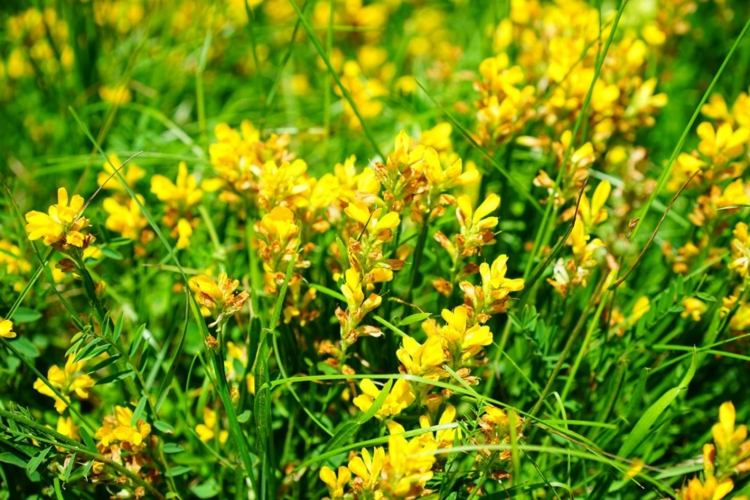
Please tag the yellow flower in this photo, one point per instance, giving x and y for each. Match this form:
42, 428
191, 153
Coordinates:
594, 213
493, 295
181, 194
6, 329
279, 224
640, 308
462, 339
335, 483
357, 306
207, 430
131, 173
120, 429
218, 298
125, 218
115, 94
67, 380
478, 219
710, 489
726, 435
400, 397
67, 427
733, 195
740, 322
422, 359
693, 308
62, 226
476, 227
443, 438
184, 232
722, 144
377, 224
12, 259
409, 462
368, 468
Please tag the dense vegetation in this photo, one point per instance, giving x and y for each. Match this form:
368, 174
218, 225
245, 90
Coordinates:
374, 249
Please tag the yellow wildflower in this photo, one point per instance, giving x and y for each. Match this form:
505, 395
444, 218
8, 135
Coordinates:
6, 329
399, 397
131, 173
119, 429
423, 360
727, 436
62, 226
368, 467
710, 489
336, 483
409, 462
12, 260
693, 308
218, 298
67, 380
181, 194
115, 94
207, 430
461, 337
67, 427
444, 438
125, 218
723, 144
493, 295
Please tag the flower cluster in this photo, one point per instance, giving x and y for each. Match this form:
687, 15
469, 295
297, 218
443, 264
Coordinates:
63, 227
728, 457
68, 380
127, 442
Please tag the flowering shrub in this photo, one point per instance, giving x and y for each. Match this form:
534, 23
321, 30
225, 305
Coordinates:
372, 249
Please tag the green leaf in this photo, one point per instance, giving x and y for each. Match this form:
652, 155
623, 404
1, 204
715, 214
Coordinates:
178, 471
171, 448
26, 348
36, 461
9, 458
26, 315
348, 429
414, 318
164, 427
645, 423
138, 412
209, 489
115, 377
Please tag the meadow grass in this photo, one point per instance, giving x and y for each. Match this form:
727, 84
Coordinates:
384, 249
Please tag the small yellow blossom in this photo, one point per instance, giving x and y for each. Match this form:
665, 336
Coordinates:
130, 172
115, 94
67, 380
218, 298
493, 294
120, 429
62, 226
67, 427
368, 467
399, 397
6, 329
335, 482
423, 360
710, 489
693, 308
125, 218
722, 144
207, 430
